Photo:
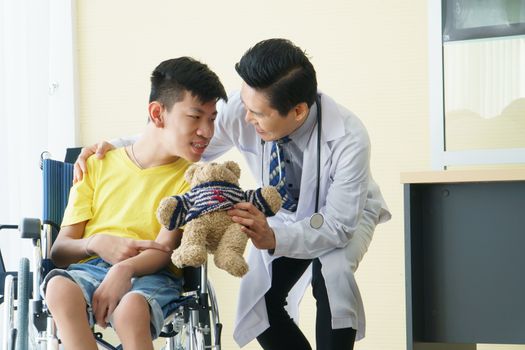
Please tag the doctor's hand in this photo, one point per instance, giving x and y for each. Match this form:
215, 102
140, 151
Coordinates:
99, 149
254, 225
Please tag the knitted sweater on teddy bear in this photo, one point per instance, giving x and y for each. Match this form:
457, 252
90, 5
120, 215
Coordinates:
213, 196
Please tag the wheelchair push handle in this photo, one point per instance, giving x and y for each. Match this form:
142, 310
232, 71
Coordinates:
28, 228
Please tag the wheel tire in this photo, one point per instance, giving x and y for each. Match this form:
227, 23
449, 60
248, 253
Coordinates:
22, 314
214, 339
11, 342
198, 340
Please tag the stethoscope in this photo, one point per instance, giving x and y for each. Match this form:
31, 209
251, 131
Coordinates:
317, 219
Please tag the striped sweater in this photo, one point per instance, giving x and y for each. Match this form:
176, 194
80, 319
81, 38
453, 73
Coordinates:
213, 196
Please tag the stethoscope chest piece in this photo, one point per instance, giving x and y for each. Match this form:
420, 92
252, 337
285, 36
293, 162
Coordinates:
316, 221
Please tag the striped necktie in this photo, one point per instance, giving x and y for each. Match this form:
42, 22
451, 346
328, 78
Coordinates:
277, 176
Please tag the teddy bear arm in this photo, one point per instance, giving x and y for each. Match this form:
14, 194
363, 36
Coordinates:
266, 199
171, 212
272, 197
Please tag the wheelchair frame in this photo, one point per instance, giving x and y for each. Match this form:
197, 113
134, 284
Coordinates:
194, 326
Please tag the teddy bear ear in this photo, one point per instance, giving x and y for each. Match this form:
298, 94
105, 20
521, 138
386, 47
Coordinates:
188, 175
233, 167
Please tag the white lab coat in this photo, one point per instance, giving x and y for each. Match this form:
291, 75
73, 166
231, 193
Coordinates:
350, 202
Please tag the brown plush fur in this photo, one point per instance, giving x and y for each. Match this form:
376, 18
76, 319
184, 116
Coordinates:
214, 232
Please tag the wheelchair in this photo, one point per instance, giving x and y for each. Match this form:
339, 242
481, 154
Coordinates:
28, 325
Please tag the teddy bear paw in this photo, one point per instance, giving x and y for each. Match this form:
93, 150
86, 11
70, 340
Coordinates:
235, 265
196, 256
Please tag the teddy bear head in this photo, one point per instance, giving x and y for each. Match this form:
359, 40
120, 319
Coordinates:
199, 173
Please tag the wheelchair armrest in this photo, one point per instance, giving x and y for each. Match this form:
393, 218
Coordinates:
190, 293
30, 228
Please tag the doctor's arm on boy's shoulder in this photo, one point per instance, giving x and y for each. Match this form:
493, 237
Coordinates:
99, 150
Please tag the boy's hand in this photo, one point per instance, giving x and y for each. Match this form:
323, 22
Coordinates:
107, 296
99, 149
115, 249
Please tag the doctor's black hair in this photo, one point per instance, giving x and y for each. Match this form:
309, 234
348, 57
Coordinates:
282, 71
171, 78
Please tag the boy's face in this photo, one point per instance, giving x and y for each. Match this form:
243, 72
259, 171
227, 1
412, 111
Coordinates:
268, 122
189, 127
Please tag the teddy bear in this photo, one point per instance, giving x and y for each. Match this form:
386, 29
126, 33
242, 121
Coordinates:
214, 190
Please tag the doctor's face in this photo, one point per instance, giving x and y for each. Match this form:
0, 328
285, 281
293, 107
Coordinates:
268, 122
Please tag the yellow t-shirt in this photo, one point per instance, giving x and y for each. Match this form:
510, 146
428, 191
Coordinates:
118, 198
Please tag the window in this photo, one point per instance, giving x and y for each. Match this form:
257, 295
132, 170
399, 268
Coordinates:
477, 81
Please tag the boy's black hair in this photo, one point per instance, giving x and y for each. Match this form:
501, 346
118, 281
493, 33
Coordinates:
175, 76
282, 71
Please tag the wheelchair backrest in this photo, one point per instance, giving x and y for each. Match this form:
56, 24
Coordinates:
2, 266
58, 178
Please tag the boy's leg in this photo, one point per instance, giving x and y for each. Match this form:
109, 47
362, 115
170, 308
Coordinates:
66, 302
131, 320
139, 316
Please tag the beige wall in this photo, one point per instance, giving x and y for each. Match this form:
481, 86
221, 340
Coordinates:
370, 55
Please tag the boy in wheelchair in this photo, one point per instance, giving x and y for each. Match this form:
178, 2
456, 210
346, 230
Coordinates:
118, 256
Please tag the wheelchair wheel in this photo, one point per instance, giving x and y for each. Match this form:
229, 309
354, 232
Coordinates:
214, 320
198, 340
22, 319
189, 338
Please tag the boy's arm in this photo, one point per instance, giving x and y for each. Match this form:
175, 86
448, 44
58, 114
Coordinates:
118, 280
150, 261
70, 247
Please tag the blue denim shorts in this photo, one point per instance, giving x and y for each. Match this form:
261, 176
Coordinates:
162, 290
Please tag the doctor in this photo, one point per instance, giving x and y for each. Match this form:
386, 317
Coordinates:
325, 161
317, 153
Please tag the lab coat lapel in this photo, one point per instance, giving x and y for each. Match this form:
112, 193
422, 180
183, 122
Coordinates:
332, 128
306, 205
